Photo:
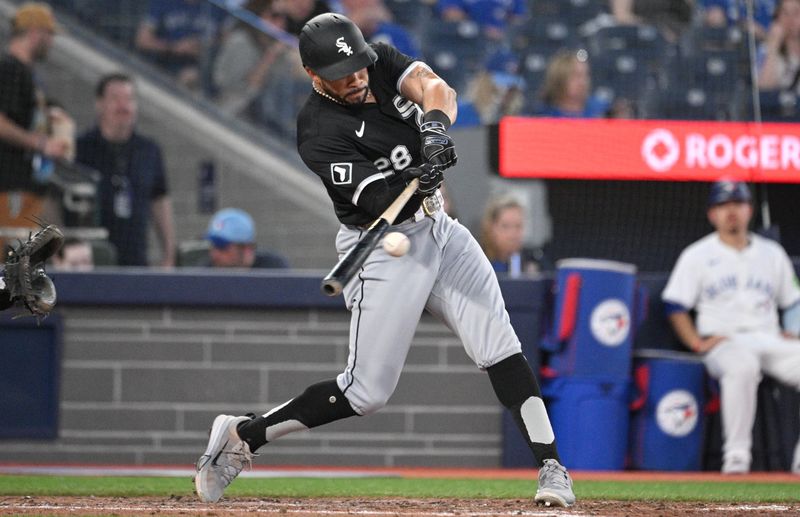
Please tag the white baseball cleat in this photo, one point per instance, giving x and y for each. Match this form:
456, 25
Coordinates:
226, 455
555, 485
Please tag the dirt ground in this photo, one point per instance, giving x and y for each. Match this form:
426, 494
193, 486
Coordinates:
371, 507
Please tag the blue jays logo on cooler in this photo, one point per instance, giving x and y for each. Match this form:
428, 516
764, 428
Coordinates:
677, 413
610, 322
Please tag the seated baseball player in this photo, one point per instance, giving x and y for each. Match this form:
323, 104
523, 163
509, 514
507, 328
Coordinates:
736, 281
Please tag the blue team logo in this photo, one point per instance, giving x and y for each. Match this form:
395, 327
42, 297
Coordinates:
610, 322
677, 413
342, 173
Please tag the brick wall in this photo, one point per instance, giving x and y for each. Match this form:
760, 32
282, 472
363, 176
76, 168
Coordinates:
142, 385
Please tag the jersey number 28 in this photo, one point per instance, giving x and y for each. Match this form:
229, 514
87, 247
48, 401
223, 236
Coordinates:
398, 159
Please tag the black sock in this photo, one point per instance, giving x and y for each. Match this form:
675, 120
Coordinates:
319, 404
514, 383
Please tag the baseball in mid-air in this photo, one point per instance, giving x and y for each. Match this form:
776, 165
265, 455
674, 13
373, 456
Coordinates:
396, 244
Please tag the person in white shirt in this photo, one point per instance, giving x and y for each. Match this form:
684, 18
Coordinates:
736, 282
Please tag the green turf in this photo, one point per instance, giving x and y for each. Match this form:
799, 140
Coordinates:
398, 487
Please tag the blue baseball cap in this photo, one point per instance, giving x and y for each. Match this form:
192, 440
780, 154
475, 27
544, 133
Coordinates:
725, 191
231, 226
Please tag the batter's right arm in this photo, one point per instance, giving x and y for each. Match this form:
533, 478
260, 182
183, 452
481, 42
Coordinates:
684, 327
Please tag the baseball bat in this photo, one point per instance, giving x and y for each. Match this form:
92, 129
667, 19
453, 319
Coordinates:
346, 268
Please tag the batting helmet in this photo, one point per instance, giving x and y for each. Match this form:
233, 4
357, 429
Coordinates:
725, 191
333, 47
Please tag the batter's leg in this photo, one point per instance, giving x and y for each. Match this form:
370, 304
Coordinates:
319, 404
516, 388
386, 300
467, 298
739, 373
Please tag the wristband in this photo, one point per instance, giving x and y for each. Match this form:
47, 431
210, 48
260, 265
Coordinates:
438, 116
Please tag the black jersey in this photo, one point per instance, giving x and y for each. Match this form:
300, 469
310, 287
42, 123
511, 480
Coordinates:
358, 151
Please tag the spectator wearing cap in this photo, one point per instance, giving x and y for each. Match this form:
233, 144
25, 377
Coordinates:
232, 235
737, 281
567, 90
496, 91
26, 145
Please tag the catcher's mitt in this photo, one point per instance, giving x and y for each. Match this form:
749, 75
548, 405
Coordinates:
26, 281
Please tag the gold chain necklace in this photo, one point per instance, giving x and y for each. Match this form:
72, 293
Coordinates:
314, 85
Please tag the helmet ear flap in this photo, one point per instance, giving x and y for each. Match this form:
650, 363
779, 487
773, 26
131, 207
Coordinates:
332, 46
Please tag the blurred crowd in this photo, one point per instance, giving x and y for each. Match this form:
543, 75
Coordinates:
674, 59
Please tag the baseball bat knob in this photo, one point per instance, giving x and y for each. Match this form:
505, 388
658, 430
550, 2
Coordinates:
331, 287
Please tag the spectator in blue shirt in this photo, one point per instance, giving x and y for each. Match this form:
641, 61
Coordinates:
492, 16
496, 91
567, 87
174, 34
232, 234
375, 21
133, 186
728, 13
502, 238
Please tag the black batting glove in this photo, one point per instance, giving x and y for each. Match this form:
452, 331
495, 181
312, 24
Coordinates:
438, 148
430, 177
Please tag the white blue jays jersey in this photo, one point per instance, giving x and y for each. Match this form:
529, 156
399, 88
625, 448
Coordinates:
733, 291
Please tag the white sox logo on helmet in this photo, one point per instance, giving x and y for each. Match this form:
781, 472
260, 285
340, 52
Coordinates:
343, 46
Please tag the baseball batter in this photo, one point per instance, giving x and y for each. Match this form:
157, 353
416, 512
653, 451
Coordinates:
374, 121
737, 281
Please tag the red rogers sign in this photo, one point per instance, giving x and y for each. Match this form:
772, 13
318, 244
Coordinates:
648, 150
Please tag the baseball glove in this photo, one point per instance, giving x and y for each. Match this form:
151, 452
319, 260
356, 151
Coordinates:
26, 281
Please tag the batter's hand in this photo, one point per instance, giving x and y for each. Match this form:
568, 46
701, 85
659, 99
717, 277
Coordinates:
437, 147
430, 177
703, 345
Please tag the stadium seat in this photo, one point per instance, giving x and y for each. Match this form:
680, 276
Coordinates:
533, 67
689, 102
455, 50
710, 74
779, 106
409, 13
192, 253
572, 12
550, 31
714, 70
104, 253
621, 74
627, 37
704, 38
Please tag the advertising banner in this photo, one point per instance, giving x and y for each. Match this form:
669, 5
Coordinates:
656, 150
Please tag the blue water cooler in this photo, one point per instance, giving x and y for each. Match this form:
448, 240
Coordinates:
592, 331
590, 342
666, 430
590, 420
